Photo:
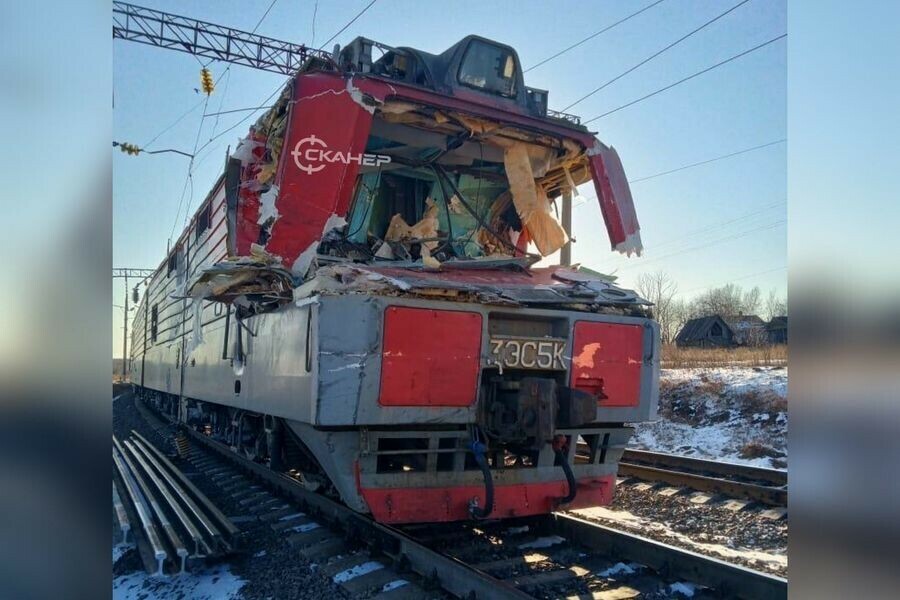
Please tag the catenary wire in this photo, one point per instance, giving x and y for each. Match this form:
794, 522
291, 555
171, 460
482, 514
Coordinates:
685, 79
341, 30
592, 36
657, 53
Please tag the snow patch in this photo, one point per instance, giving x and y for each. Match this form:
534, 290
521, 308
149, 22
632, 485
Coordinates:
617, 569
217, 583
303, 528
544, 542
684, 588
357, 571
393, 585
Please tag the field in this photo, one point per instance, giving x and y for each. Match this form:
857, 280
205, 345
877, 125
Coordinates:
762, 356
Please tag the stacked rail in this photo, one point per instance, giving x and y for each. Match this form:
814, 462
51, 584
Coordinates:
174, 520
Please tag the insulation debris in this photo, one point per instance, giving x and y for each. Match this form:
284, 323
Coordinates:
258, 280
531, 201
424, 232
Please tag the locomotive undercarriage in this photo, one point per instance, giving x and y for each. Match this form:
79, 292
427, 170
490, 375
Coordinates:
512, 447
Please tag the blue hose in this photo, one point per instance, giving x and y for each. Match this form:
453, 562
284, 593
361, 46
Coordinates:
479, 449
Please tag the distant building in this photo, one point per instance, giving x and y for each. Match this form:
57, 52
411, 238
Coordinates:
705, 332
748, 330
715, 331
777, 330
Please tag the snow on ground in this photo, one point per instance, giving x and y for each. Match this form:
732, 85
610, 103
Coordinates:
215, 583
660, 530
737, 414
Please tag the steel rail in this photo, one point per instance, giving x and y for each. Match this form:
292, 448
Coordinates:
222, 522
734, 489
200, 544
776, 477
143, 512
728, 580
764, 494
454, 576
211, 530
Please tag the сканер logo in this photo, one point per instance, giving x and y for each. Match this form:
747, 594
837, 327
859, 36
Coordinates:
311, 155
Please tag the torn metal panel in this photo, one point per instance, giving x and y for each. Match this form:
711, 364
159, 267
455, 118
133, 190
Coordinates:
614, 196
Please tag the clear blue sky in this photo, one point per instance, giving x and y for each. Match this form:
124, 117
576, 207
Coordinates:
705, 226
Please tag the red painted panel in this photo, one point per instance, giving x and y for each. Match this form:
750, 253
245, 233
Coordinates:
429, 357
430, 505
310, 192
606, 362
614, 196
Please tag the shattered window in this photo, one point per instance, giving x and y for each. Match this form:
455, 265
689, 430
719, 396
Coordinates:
390, 207
489, 68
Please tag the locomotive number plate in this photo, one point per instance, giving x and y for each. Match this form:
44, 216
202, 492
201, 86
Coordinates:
528, 353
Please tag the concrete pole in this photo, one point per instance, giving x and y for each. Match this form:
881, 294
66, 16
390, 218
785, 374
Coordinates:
565, 253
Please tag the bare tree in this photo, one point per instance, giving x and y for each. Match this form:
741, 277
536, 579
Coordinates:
775, 306
751, 301
660, 289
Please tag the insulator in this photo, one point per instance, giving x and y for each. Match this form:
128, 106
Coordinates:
206, 81
129, 149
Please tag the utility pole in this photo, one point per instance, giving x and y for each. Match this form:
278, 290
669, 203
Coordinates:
565, 253
125, 273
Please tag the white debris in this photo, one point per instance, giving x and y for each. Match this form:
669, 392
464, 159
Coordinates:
301, 265
357, 571
259, 554
244, 151
515, 530
267, 208
631, 244
544, 542
357, 96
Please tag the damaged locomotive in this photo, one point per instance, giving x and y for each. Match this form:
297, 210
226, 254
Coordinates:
356, 302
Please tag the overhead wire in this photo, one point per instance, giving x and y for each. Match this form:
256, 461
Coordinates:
710, 160
706, 245
189, 180
691, 165
743, 277
592, 36
685, 79
657, 53
349, 23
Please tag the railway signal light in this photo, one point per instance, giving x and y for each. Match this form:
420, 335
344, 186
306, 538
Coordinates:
206, 81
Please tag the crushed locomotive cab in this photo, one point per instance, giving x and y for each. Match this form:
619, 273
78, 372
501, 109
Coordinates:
358, 299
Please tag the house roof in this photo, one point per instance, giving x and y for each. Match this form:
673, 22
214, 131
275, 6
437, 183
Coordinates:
696, 329
777, 323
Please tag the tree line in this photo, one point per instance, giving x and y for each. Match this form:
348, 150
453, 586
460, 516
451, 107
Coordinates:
672, 311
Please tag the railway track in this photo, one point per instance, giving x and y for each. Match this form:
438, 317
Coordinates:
555, 556
766, 486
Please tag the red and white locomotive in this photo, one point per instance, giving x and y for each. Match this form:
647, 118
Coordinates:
355, 301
